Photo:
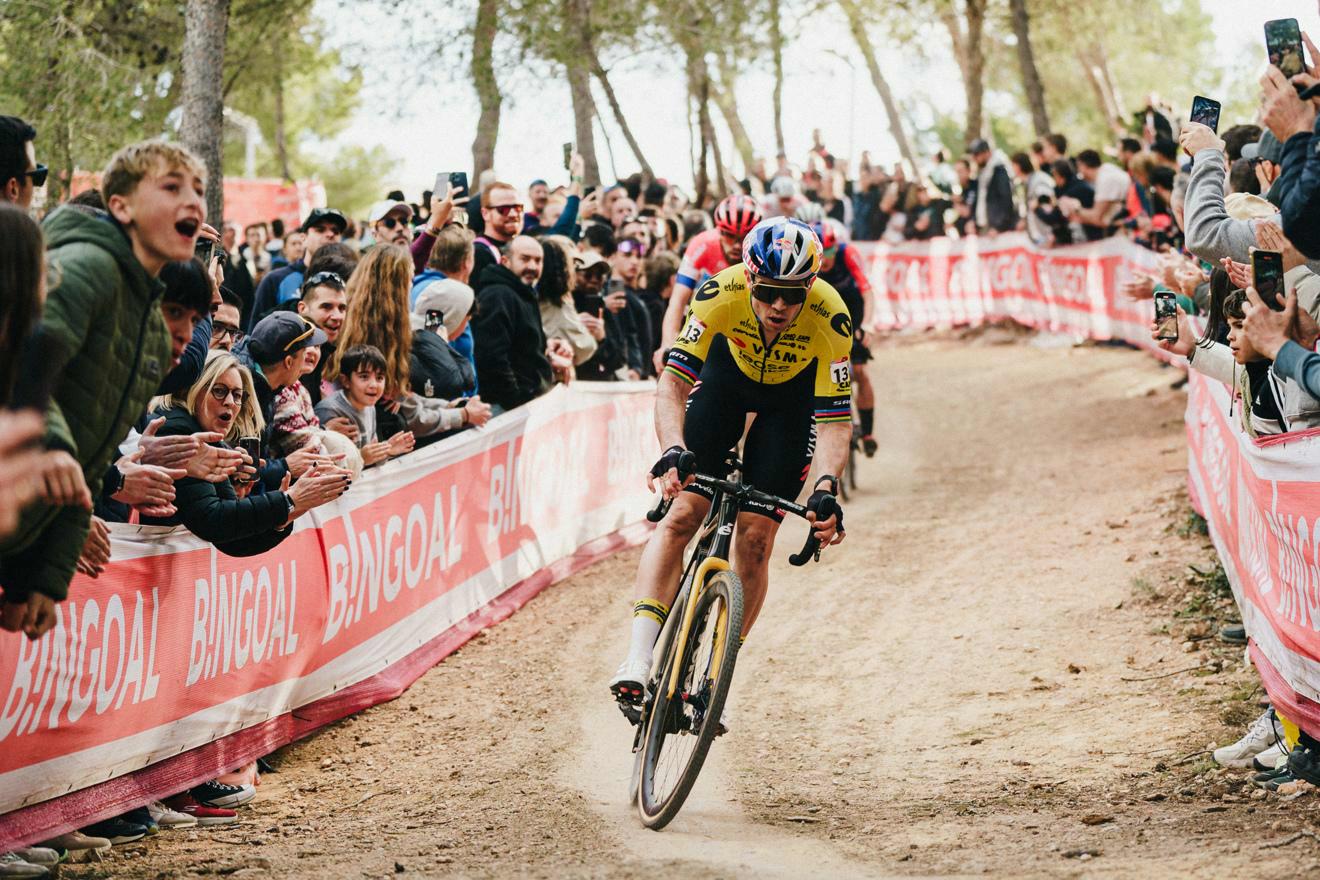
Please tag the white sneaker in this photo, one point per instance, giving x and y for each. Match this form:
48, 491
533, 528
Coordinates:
1263, 733
167, 818
629, 682
38, 855
1270, 758
11, 865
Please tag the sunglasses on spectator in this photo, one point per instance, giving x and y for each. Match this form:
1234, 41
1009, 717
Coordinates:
332, 279
222, 393
38, 175
506, 210
794, 295
220, 330
632, 246
391, 221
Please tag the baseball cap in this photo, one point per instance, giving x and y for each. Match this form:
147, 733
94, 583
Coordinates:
381, 210
783, 187
451, 298
587, 259
1268, 148
324, 215
280, 334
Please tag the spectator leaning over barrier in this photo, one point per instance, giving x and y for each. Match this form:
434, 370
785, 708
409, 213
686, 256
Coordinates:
20, 175
378, 315
23, 278
227, 513
108, 346
559, 317
438, 369
1111, 187
281, 285
1036, 186
510, 345
273, 354
995, 210
361, 383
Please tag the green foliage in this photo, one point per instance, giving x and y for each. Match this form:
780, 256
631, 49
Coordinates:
353, 176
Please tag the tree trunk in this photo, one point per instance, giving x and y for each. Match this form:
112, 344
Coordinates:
202, 129
1096, 67
777, 55
896, 129
488, 88
974, 81
603, 78
722, 92
1031, 84
281, 137
577, 15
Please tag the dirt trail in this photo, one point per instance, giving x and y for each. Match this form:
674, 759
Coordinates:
943, 695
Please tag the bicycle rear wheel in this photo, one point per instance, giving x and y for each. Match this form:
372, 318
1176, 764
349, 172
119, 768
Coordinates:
679, 731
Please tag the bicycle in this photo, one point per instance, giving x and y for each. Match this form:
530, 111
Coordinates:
696, 650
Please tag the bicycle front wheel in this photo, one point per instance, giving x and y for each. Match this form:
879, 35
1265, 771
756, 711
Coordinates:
680, 729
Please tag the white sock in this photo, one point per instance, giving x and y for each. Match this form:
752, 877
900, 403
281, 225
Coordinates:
648, 616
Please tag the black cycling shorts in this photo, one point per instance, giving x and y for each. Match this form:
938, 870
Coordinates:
856, 308
782, 438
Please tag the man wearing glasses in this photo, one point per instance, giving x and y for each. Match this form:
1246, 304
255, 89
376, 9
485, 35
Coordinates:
502, 211
391, 223
20, 175
226, 323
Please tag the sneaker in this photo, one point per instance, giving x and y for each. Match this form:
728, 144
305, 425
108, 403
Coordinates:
869, 446
40, 855
167, 818
142, 816
1270, 758
1263, 733
14, 865
1270, 776
188, 805
1280, 778
1233, 634
117, 830
217, 794
629, 683
79, 846
1303, 763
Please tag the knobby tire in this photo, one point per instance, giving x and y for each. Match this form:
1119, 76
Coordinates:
722, 588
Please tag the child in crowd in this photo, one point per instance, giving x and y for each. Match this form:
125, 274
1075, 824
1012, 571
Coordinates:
1274, 404
361, 384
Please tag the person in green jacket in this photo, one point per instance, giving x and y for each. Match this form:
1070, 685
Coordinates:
105, 341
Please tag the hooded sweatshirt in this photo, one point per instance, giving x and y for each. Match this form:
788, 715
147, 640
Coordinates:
111, 351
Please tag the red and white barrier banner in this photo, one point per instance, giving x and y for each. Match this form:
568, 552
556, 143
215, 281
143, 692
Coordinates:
1261, 499
177, 646
953, 282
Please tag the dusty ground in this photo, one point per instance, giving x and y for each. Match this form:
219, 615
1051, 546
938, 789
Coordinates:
949, 693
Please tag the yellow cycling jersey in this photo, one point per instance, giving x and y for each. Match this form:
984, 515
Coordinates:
821, 335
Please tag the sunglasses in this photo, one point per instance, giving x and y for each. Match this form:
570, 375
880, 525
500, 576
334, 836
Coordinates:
795, 295
221, 394
331, 278
306, 334
506, 210
631, 246
391, 222
38, 175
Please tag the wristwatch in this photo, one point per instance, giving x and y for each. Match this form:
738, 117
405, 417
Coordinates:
114, 482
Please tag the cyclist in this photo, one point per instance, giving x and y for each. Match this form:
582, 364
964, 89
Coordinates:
709, 252
840, 266
766, 338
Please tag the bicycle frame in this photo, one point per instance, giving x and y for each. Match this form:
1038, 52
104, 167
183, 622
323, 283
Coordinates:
721, 518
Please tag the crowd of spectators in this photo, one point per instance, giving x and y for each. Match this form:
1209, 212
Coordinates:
231, 387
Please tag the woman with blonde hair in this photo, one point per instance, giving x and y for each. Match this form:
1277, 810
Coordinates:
378, 314
223, 400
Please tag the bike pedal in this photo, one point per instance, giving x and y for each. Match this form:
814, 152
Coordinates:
631, 711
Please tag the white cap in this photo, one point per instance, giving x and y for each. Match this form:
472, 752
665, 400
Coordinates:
382, 209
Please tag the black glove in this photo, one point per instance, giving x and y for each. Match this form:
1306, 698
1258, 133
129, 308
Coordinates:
671, 459
823, 503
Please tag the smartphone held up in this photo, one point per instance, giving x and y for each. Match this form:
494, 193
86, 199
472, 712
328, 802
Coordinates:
1267, 277
1166, 316
1206, 112
1283, 42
